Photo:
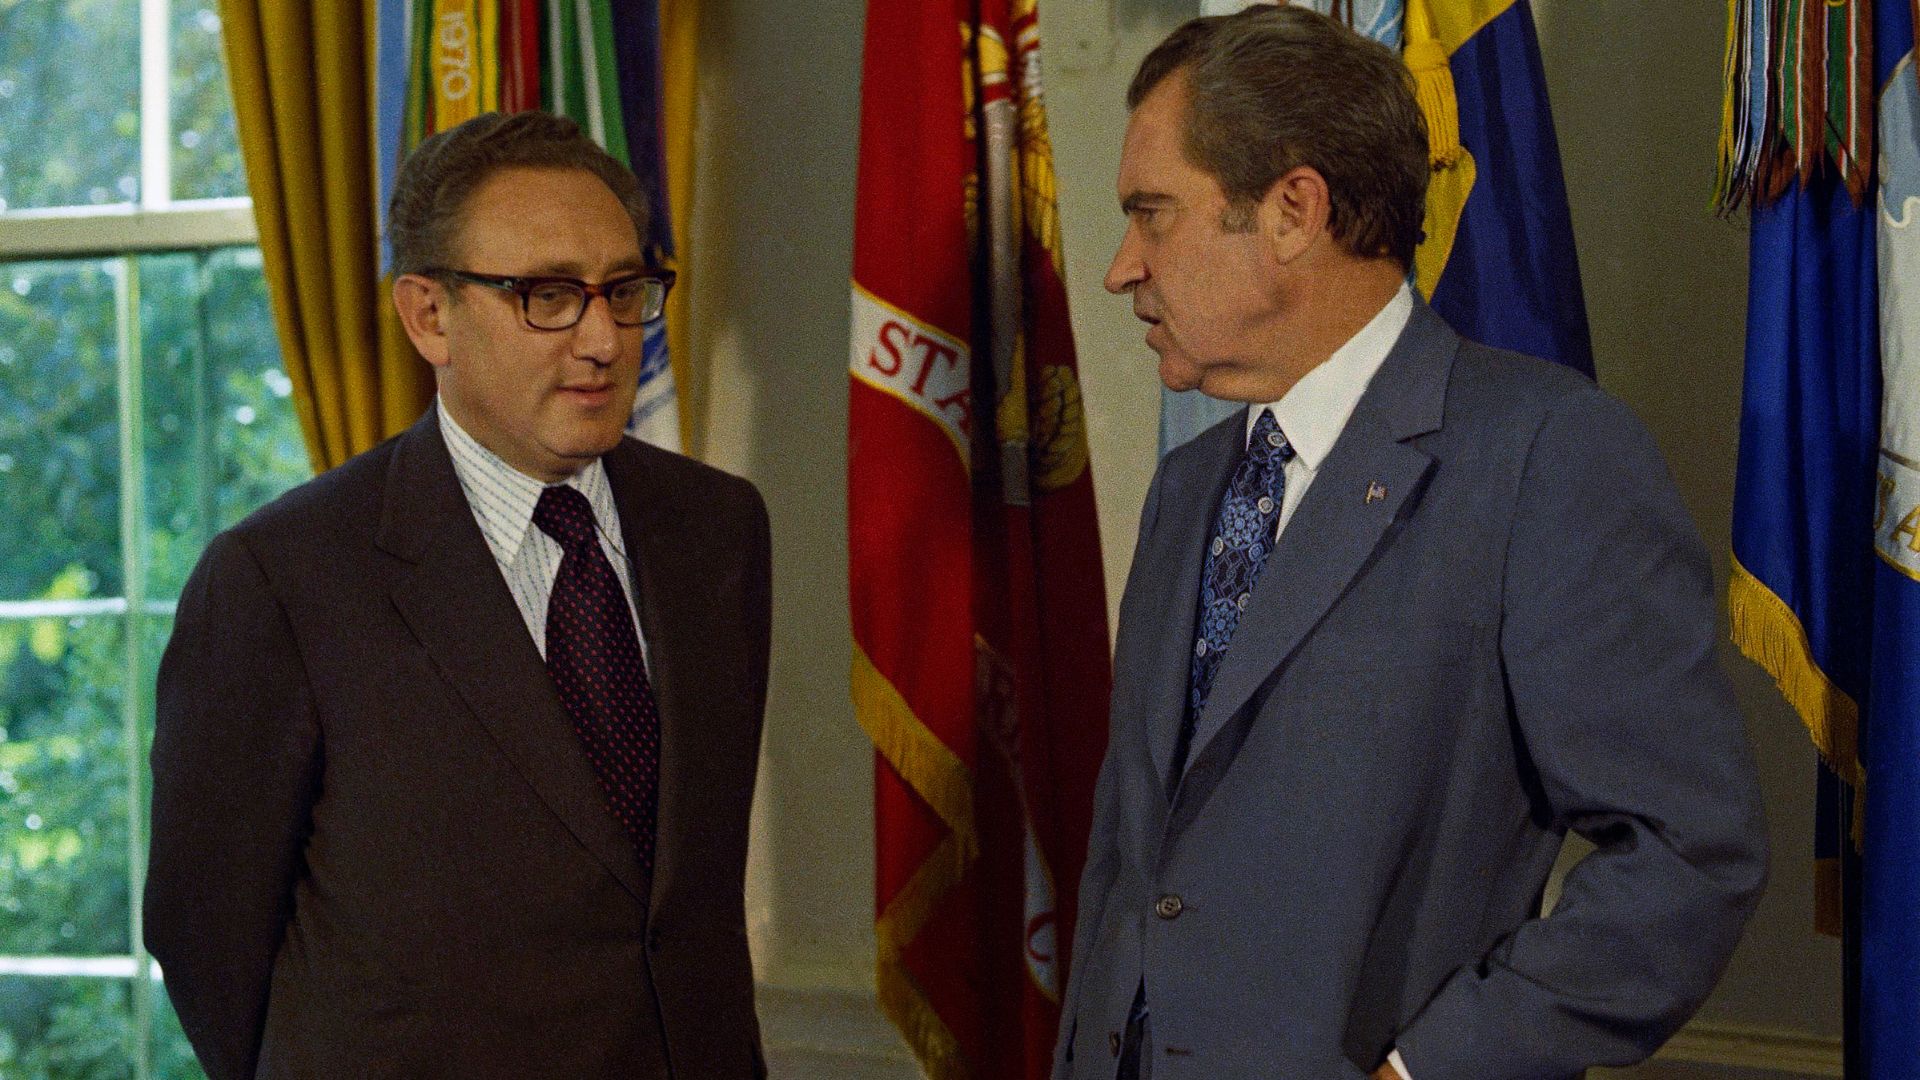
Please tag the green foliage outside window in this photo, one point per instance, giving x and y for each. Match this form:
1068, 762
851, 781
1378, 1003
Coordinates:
142, 409
219, 439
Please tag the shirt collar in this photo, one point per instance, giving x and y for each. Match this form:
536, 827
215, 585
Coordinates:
1315, 411
503, 497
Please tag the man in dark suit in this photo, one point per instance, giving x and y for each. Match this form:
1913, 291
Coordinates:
1387, 637
456, 742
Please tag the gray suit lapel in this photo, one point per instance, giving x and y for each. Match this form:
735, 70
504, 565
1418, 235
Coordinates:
458, 606
1191, 484
1364, 485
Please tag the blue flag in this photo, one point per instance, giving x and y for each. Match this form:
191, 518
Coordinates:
1890, 903
1825, 590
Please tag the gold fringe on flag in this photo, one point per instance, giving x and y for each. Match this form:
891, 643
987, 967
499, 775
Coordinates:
901, 998
944, 782
1426, 58
929, 767
1766, 630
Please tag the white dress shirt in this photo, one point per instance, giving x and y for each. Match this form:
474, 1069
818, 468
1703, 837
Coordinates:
1314, 413
502, 499
1316, 410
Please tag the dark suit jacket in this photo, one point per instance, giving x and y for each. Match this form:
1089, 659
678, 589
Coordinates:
1490, 621
378, 847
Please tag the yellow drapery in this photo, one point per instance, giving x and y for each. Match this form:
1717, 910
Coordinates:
302, 81
679, 21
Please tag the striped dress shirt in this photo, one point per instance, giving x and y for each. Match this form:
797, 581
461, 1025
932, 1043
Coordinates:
502, 499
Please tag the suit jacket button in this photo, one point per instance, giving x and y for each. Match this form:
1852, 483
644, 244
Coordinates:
1168, 907
1113, 1043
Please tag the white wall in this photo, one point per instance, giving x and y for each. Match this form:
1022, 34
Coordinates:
1635, 87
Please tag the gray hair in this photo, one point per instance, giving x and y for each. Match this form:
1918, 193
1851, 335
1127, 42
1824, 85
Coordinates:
436, 180
1275, 88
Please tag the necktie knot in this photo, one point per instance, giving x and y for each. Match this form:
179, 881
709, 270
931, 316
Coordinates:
1268, 445
566, 515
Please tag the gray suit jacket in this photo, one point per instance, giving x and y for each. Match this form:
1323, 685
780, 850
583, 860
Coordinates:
378, 848
1489, 621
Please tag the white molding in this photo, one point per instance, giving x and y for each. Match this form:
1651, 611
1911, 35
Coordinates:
156, 103
74, 967
816, 1033
1737, 1046
833, 1033
69, 231
830, 1033
79, 609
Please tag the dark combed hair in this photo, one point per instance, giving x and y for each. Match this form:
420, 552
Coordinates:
437, 179
1275, 88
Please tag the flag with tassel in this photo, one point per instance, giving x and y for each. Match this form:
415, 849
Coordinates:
981, 664
1820, 141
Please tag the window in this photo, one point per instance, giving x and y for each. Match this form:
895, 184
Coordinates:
142, 409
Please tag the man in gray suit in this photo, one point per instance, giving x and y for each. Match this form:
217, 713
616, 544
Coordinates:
1387, 637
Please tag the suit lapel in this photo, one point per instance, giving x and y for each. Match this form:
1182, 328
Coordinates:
1371, 479
458, 606
1190, 490
672, 575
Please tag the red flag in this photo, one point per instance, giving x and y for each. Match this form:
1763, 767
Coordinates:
981, 664
519, 55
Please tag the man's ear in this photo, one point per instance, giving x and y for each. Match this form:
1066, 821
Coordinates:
1296, 212
422, 304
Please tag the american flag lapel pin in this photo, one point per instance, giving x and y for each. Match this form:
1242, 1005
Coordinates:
1375, 492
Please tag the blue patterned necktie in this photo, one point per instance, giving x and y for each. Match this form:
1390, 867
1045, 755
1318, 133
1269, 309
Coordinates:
1243, 535
593, 654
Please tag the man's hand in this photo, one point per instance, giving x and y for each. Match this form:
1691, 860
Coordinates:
1385, 1072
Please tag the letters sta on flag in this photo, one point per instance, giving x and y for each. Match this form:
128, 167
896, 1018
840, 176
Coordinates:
981, 664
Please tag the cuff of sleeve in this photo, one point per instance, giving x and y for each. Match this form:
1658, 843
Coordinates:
1399, 1065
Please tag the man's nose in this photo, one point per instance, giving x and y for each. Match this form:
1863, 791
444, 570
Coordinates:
1127, 270
596, 336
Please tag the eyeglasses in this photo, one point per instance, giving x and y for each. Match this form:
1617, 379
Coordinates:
557, 303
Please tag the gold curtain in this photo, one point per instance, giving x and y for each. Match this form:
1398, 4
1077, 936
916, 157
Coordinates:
302, 88
679, 23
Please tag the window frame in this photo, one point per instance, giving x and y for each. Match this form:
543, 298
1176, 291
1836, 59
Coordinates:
118, 234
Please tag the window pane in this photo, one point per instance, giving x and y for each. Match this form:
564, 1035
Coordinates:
154, 632
258, 446
65, 1028
69, 103
59, 431
172, 1056
63, 788
206, 146
221, 437
177, 420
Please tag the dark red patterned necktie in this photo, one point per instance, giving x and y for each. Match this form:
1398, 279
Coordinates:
593, 654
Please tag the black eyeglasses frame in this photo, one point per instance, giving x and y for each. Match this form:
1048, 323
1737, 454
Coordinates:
523, 286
